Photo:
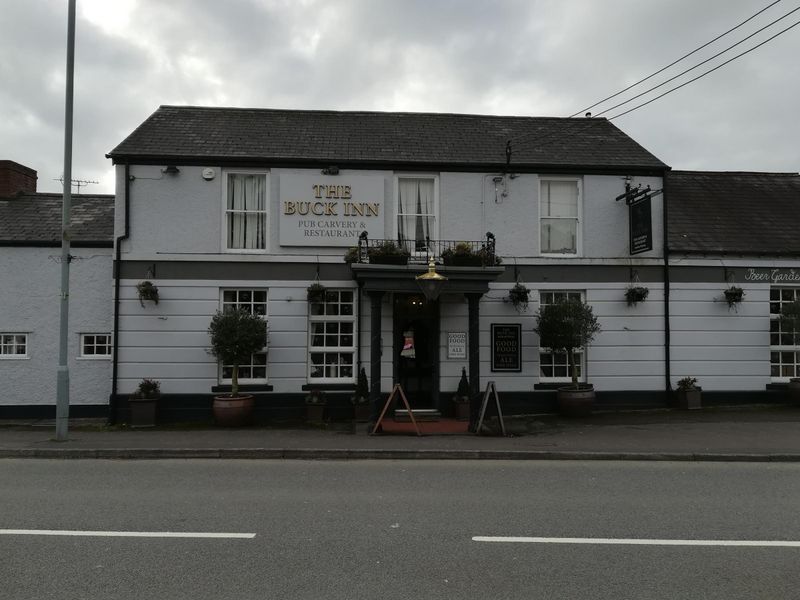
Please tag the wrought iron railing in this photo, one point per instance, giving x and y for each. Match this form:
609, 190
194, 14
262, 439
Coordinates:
411, 251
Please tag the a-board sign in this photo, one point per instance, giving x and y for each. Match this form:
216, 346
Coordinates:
641, 226
456, 344
506, 347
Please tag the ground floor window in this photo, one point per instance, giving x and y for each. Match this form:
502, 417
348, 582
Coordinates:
95, 345
332, 338
783, 345
554, 367
255, 302
13, 345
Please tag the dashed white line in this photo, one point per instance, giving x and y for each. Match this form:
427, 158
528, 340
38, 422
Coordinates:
142, 534
637, 541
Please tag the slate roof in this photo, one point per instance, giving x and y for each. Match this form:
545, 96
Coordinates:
734, 213
36, 219
191, 135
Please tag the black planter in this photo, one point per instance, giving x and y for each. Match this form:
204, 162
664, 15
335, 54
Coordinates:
143, 412
390, 259
689, 399
462, 261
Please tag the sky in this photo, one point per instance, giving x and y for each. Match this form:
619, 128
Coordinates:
502, 57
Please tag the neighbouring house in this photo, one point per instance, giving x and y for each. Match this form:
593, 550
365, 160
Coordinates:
30, 241
737, 232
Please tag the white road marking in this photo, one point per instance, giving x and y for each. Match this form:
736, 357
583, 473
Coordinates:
150, 534
637, 542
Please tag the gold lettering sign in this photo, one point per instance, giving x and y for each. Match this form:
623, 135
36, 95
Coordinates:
329, 208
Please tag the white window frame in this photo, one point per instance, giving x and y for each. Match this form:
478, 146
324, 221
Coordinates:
267, 206
579, 219
353, 349
13, 344
109, 346
436, 216
265, 350
783, 348
579, 351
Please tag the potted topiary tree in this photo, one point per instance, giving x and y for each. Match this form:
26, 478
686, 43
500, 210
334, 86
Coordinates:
143, 403
565, 326
360, 398
688, 393
235, 336
790, 323
461, 398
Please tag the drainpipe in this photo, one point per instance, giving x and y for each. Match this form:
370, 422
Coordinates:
667, 361
358, 327
112, 413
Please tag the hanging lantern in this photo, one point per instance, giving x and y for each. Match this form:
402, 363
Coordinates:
431, 283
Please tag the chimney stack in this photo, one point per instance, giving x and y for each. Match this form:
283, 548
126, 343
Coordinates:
16, 179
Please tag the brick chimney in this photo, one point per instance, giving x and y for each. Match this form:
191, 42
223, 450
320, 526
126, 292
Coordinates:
16, 178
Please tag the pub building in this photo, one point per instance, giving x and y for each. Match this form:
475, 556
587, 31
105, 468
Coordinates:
231, 207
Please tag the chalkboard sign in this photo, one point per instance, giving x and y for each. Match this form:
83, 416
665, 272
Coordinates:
641, 226
506, 347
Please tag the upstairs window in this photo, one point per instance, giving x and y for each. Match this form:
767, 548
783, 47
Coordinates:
13, 345
559, 215
416, 212
246, 212
95, 345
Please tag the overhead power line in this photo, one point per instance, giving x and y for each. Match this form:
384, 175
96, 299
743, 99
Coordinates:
633, 85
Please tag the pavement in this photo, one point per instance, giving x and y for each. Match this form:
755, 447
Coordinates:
757, 433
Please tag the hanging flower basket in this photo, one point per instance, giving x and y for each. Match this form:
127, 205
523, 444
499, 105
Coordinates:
519, 296
733, 296
147, 291
636, 294
316, 292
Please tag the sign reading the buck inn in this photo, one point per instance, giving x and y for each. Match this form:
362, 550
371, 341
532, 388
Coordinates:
330, 211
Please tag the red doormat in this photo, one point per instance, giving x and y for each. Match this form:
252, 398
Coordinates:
440, 427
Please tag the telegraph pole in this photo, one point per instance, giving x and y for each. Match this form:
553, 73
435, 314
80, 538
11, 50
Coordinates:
62, 378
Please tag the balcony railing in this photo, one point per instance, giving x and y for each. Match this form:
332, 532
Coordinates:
404, 251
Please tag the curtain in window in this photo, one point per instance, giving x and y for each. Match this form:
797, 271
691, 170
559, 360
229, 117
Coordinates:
559, 217
415, 211
246, 209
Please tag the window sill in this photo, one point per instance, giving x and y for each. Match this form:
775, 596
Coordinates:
246, 387
553, 385
330, 387
90, 358
15, 357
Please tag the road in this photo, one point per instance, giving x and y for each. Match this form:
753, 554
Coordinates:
397, 529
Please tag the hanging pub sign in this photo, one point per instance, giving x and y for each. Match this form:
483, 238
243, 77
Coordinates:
506, 347
641, 225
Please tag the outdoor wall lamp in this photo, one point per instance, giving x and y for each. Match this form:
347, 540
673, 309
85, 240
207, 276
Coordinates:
171, 170
332, 170
431, 283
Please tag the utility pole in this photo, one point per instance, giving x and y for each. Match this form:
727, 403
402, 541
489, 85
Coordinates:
62, 378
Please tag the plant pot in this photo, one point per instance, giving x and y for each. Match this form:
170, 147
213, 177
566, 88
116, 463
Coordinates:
576, 402
361, 412
689, 399
233, 411
315, 413
463, 261
398, 259
462, 411
143, 412
794, 391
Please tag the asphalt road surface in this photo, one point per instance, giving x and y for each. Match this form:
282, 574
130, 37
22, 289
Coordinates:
398, 529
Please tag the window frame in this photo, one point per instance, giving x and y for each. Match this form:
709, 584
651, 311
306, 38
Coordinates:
581, 352
436, 211
265, 350
26, 342
578, 219
783, 348
224, 239
110, 346
353, 350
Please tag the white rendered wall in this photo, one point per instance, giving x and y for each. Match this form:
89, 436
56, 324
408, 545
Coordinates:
29, 303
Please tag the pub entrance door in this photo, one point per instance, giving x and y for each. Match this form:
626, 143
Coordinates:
416, 349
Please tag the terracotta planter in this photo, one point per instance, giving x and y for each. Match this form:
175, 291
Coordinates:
689, 399
315, 413
576, 402
143, 412
794, 391
233, 411
361, 412
462, 411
